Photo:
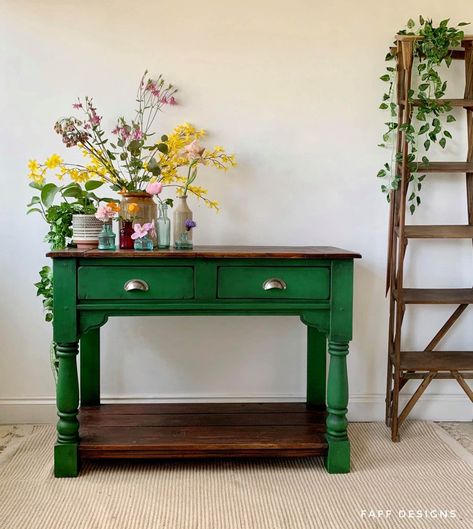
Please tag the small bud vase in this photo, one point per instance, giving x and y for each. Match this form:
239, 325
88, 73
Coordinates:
182, 235
164, 227
144, 243
107, 237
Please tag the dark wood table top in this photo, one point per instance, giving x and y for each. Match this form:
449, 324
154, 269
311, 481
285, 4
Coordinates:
220, 252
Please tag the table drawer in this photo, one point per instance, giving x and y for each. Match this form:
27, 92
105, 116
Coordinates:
275, 282
136, 282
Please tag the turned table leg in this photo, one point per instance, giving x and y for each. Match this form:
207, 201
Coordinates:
67, 399
338, 458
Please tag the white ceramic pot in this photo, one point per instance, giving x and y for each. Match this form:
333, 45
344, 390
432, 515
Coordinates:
86, 230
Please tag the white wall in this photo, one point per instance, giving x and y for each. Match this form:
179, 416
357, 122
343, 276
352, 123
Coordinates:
292, 88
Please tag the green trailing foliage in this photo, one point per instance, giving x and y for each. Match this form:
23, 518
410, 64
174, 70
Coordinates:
429, 117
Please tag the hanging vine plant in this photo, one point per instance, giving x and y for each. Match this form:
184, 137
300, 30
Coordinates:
429, 117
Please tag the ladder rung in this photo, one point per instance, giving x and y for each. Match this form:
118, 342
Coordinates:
466, 103
437, 360
455, 53
445, 167
436, 296
438, 231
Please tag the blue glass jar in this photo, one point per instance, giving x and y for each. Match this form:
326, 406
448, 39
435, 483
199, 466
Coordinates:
107, 237
143, 243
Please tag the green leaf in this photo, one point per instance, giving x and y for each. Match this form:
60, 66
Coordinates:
162, 147
447, 134
385, 77
450, 118
427, 145
461, 24
410, 23
33, 210
35, 185
93, 184
74, 192
164, 137
443, 142
48, 193
424, 129
412, 208
383, 106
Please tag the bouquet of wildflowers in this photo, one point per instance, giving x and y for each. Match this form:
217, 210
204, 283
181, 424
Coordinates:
131, 159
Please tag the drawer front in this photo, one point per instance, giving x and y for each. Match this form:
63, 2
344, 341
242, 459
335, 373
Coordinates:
136, 282
241, 282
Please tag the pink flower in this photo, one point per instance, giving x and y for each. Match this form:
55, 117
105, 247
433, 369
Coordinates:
77, 105
154, 188
140, 231
151, 228
136, 134
172, 100
105, 213
94, 118
194, 150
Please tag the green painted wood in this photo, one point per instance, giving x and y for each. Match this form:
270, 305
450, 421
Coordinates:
90, 368
64, 300
338, 459
316, 366
164, 282
67, 401
245, 282
205, 280
341, 315
319, 292
66, 460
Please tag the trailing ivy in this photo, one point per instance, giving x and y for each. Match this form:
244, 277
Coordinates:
428, 118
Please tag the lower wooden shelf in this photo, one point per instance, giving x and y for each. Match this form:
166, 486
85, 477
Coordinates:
139, 431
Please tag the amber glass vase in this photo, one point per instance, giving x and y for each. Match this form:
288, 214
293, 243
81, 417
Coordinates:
139, 208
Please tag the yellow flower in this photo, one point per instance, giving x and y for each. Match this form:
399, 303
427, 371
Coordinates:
53, 161
33, 166
133, 208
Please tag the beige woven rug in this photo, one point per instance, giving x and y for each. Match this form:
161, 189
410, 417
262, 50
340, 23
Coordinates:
427, 472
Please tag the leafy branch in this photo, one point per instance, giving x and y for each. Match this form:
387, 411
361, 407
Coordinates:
428, 115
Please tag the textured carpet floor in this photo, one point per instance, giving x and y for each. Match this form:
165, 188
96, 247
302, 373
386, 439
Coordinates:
428, 472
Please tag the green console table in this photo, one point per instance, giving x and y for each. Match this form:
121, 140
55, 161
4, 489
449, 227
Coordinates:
314, 283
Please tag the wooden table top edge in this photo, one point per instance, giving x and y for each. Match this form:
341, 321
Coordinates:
215, 252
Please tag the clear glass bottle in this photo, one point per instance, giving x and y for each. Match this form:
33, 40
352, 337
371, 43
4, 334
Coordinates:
144, 243
144, 209
164, 227
107, 237
182, 217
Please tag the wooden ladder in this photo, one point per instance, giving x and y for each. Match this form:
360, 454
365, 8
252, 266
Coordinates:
428, 364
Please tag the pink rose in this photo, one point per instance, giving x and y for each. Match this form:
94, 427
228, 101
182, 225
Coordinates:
194, 150
105, 213
154, 188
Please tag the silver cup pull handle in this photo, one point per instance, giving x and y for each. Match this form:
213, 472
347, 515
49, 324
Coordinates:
136, 284
274, 284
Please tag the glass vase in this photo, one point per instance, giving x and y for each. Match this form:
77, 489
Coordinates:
182, 235
126, 231
164, 227
139, 208
144, 243
107, 237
